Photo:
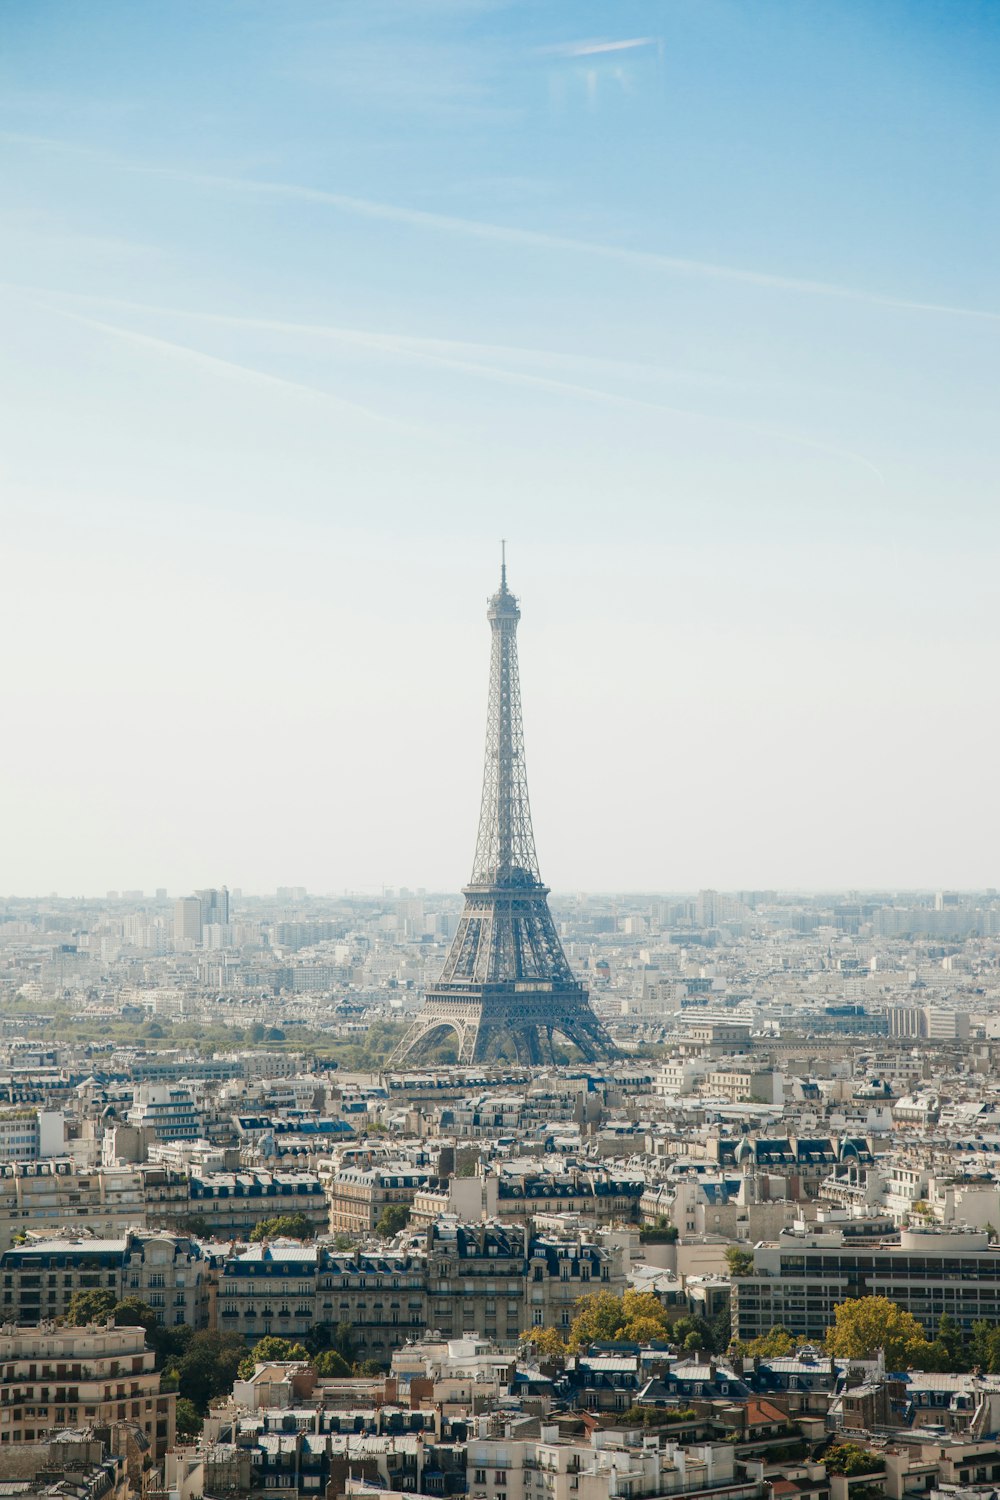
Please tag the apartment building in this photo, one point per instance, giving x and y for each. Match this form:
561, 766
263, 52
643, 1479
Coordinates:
234, 1203
799, 1279
286, 1288
72, 1377
602, 1196
603, 1468
167, 1112
489, 1279
171, 1272
357, 1195
49, 1195
29, 1134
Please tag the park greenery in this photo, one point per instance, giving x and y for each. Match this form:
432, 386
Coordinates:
369, 1051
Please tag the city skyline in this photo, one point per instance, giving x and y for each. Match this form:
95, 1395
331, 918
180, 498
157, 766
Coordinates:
697, 305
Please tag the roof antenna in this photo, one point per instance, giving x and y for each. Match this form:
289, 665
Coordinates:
503, 564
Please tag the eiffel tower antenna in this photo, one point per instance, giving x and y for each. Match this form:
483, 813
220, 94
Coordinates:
506, 988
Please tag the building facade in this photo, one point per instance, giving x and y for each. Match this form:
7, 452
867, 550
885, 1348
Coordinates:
73, 1377
491, 1279
799, 1279
170, 1272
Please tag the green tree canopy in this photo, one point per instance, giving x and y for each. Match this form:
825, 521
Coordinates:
770, 1345
90, 1307
984, 1347
132, 1312
866, 1324
739, 1261
280, 1350
189, 1422
852, 1458
692, 1332
283, 1227
330, 1365
545, 1342
206, 1368
634, 1317
393, 1218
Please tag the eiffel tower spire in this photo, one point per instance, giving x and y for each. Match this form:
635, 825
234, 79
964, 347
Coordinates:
505, 847
506, 987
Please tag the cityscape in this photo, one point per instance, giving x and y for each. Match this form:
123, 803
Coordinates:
547, 456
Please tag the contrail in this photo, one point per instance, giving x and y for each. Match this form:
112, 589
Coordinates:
504, 234
442, 354
227, 367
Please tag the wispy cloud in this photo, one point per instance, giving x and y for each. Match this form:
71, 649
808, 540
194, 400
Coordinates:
484, 361
595, 48
213, 364
528, 239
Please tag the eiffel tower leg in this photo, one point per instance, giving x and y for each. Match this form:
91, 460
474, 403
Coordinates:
469, 1050
528, 1046
424, 1030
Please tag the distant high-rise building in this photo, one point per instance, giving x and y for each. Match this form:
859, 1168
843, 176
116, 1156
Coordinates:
214, 906
707, 908
187, 919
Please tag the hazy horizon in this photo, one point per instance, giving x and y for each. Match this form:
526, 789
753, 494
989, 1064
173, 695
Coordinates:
303, 309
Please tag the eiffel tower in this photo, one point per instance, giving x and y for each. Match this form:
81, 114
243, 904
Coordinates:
507, 988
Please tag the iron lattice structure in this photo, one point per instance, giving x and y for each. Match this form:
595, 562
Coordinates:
506, 989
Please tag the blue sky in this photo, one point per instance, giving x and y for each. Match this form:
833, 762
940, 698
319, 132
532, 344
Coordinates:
304, 306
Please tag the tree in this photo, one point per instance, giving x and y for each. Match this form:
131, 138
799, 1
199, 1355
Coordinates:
635, 1317
369, 1368
692, 1332
770, 1345
271, 1349
852, 1458
132, 1312
656, 1416
866, 1324
196, 1224
950, 1336
90, 1307
545, 1343
393, 1218
660, 1233
283, 1227
740, 1262
984, 1347
331, 1365
206, 1368
721, 1329
189, 1422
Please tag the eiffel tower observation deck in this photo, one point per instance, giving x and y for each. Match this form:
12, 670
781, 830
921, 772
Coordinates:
507, 989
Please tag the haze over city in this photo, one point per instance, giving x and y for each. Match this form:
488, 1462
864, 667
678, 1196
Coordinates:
304, 308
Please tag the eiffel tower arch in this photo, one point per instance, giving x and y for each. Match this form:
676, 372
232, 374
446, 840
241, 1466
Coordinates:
506, 988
